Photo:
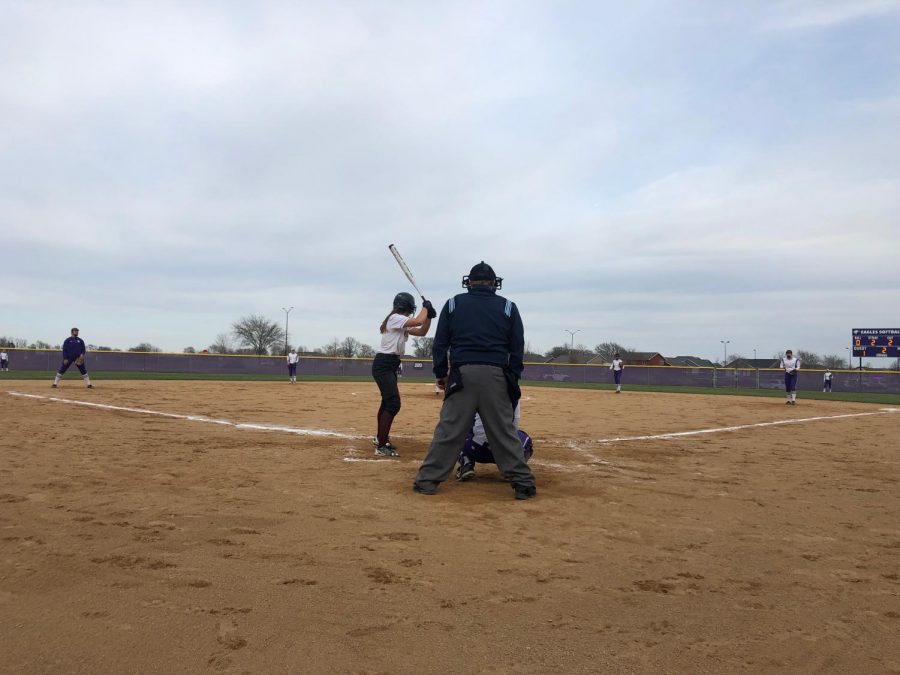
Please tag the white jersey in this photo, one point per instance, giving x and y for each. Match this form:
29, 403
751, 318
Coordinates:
393, 340
4, 356
478, 434
790, 364
617, 364
293, 358
828, 375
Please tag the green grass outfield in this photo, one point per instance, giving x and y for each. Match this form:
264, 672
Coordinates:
859, 397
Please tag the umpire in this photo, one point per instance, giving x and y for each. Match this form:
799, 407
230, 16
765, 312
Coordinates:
483, 335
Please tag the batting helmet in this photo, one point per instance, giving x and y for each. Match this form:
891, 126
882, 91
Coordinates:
404, 302
483, 272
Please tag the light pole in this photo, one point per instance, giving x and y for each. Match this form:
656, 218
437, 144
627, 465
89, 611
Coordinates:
287, 313
725, 343
572, 347
756, 365
849, 359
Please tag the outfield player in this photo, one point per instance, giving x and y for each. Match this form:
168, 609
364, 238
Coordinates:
791, 372
477, 449
617, 366
826, 382
293, 358
395, 330
73, 352
4, 360
483, 337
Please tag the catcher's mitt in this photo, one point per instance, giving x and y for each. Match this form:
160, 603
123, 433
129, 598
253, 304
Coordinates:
80, 360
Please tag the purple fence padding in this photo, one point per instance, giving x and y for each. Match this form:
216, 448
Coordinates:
883, 382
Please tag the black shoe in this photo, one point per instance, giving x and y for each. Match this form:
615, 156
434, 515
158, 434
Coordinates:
90, 386
427, 488
53, 386
525, 491
386, 450
465, 472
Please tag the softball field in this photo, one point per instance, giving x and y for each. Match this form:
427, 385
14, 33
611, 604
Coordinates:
180, 526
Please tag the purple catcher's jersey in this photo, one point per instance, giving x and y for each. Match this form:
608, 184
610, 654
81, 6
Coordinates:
481, 452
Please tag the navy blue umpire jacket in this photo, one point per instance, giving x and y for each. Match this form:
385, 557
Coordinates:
479, 327
73, 347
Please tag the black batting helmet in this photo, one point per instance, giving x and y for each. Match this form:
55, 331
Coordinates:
404, 302
483, 272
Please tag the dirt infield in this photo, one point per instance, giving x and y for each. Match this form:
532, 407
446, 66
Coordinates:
136, 542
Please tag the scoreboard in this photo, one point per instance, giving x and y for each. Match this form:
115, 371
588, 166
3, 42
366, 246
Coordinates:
876, 342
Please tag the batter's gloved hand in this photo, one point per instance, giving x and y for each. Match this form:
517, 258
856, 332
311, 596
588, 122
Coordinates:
429, 308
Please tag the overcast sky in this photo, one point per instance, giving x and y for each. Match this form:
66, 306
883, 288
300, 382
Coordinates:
663, 175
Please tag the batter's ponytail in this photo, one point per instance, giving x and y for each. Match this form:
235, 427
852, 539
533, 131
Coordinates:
384, 323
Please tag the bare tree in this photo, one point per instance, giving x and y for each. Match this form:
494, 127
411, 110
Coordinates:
559, 350
423, 347
366, 351
608, 350
258, 333
190, 350
833, 361
333, 348
223, 344
144, 347
809, 359
349, 347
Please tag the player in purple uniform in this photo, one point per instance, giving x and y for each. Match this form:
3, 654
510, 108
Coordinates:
73, 352
791, 372
478, 449
617, 366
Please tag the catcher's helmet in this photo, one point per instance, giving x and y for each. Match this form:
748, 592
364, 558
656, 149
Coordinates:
483, 272
404, 302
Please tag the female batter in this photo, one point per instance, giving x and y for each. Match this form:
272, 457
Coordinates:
395, 329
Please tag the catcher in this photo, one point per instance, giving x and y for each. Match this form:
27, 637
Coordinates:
73, 352
478, 449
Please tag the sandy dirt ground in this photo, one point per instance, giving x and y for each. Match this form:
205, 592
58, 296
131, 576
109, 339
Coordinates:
136, 542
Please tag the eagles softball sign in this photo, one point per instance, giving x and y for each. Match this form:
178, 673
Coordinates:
876, 342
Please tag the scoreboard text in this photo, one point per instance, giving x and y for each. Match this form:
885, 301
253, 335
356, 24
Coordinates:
876, 342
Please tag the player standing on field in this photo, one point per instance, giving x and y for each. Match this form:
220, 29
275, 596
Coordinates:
826, 382
73, 352
395, 330
483, 336
4, 360
292, 360
617, 366
791, 372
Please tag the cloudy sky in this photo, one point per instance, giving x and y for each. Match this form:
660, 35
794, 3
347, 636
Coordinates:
664, 175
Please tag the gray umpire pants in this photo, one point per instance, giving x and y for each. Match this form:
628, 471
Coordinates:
484, 391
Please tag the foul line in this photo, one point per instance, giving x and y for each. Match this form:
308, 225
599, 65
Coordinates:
191, 418
680, 434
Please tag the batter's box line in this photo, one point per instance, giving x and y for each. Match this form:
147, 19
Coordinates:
193, 418
716, 430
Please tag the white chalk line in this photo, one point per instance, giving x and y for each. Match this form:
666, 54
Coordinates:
738, 427
193, 418
334, 434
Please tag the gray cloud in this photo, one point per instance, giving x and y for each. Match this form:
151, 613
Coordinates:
654, 176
